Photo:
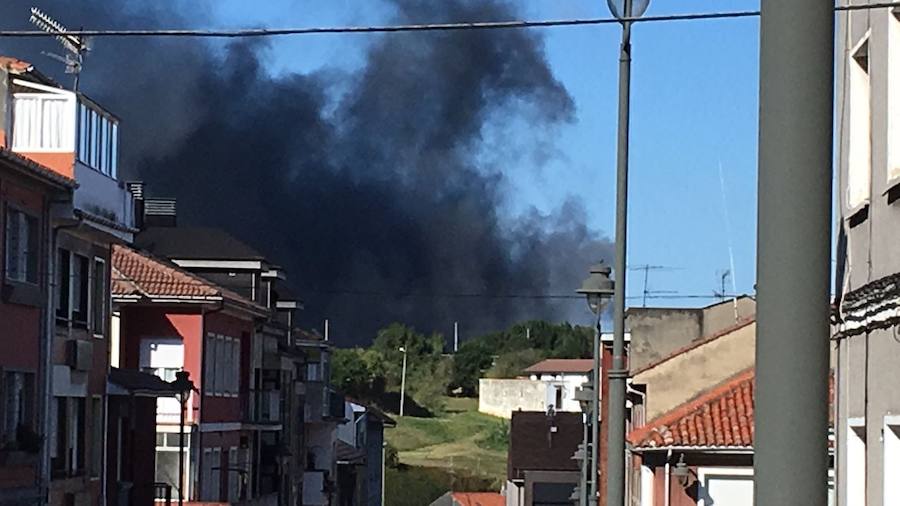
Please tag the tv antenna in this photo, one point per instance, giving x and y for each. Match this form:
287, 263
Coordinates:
646, 291
75, 45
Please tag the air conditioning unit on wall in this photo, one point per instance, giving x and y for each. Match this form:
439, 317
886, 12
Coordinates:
79, 354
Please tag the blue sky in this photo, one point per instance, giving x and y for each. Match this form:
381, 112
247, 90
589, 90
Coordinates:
694, 107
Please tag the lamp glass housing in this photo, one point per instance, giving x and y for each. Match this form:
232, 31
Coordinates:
617, 8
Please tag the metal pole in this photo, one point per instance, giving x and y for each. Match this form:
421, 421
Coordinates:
181, 450
383, 445
585, 465
595, 415
615, 426
403, 383
794, 243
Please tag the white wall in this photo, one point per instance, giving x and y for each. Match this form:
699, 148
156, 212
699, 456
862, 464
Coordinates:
568, 383
501, 397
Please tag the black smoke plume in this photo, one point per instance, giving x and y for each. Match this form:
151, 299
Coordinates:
380, 190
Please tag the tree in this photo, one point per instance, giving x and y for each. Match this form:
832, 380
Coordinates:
469, 364
513, 363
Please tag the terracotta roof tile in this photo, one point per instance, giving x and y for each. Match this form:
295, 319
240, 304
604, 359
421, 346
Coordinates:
721, 417
136, 274
551, 365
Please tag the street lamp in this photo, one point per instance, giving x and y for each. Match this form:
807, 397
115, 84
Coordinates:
184, 386
598, 289
585, 398
625, 11
403, 380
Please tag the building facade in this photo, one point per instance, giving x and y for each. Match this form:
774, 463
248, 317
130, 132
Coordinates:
868, 264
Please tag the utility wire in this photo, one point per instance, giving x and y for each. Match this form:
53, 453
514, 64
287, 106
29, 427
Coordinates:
426, 27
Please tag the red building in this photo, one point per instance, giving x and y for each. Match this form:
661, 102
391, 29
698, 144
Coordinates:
74, 138
26, 188
170, 320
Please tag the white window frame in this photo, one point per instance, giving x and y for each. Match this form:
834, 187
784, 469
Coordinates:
891, 459
859, 144
856, 462
893, 99
69, 112
706, 472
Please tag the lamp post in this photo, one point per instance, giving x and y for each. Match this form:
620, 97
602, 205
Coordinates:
403, 380
184, 386
585, 397
597, 288
625, 11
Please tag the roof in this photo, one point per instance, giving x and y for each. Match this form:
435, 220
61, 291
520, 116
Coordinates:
477, 499
15, 64
135, 381
696, 344
137, 275
563, 365
538, 442
37, 170
195, 243
721, 417
348, 454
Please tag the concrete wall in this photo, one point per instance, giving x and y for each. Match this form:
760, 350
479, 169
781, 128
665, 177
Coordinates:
500, 397
869, 363
658, 332
683, 377
568, 384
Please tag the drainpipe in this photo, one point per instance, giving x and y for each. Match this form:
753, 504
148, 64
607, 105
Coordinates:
46, 347
794, 245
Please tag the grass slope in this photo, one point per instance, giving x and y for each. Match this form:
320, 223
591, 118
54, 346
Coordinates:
461, 449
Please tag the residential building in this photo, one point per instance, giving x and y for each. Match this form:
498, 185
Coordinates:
550, 382
540, 468
76, 138
276, 385
132, 438
323, 411
169, 320
26, 190
360, 455
699, 452
867, 309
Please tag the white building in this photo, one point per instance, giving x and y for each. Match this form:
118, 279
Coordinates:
550, 382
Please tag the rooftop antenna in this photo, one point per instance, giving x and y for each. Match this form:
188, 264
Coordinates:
730, 245
75, 45
647, 268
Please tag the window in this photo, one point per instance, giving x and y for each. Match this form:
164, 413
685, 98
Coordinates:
44, 121
22, 248
18, 412
893, 140
210, 484
98, 137
98, 297
73, 282
67, 449
856, 462
891, 459
222, 369
859, 163
167, 450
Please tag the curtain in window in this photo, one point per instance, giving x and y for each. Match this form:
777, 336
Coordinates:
41, 122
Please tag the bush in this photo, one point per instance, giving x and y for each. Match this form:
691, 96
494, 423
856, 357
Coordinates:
496, 437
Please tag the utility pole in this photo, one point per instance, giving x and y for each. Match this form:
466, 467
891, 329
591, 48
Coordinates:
455, 337
794, 243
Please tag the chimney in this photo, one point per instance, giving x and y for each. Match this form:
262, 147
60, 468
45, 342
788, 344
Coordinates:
159, 213
136, 188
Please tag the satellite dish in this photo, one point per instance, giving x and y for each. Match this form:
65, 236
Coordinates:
617, 8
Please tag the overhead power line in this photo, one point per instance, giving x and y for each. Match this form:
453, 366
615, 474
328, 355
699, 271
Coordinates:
426, 27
